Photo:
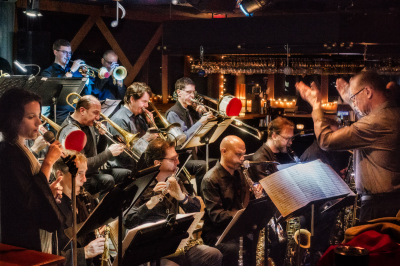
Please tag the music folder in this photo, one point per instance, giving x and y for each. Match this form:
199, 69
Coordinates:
211, 130
295, 188
248, 220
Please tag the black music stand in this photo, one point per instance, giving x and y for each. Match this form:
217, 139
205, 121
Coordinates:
156, 241
207, 134
115, 201
249, 220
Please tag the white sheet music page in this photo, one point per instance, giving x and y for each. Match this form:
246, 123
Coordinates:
294, 187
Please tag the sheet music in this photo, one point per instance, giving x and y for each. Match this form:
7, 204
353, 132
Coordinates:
194, 139
234, 219
197, 218
108, 106
294, 187
132, 233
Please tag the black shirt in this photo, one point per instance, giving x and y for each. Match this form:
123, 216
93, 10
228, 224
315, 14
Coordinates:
223, 196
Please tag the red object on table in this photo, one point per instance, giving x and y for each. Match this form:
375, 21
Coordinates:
12, 256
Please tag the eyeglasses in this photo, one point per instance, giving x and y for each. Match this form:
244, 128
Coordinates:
108, 62
65, 52
353, 97
174, 159
286, 138
190, 92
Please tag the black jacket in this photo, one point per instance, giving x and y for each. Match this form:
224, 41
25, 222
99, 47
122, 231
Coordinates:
27, 203
258, 172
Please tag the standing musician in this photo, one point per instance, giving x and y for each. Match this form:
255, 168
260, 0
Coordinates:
280, 133
86, 113
190, 120
106, 88
27, 200
131, 118
374, 138
63, 68
225, 191
89, 248
149, 208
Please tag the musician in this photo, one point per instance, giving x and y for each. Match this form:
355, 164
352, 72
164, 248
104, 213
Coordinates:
131, 119
105, 88
62, 67
149, 209
95, 246
86, 113
280, 133
225, 191
374, 138
27, 201
190, 120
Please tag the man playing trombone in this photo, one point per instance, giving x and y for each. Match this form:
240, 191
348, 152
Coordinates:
86, 114
190, 120
131, 119
109, 88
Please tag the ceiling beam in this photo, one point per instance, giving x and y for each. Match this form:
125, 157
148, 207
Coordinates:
107, 11
83, 31
143, 56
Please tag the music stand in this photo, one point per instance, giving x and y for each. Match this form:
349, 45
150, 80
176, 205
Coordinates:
113, 203
208, 133
155, 241
249, 220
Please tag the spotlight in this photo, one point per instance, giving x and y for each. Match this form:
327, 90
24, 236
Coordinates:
32, 8
249, 6
23, 66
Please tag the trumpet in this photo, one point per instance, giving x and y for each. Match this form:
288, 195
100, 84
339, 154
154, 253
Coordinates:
127, 136
119, 73
199, 100
102, 73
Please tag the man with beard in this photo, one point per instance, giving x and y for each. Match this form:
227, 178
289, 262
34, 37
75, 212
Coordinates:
374, 138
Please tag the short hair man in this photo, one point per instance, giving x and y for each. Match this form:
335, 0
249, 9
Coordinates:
62, 67
374, 138
92, 247
107, 88
280, 133
130, 117
150, 209
87, 112
225, 191
190, 120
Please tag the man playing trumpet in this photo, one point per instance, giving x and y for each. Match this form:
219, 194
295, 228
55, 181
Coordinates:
108, 88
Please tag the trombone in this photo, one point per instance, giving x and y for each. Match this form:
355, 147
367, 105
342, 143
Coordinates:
198, 100
126, 135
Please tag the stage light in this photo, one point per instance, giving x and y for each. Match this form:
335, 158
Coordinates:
32, 8
22, 66
249, 6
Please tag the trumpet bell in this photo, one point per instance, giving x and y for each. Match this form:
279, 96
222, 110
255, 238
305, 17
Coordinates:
103, 73
120, 73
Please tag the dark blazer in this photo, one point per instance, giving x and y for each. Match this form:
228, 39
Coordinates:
27, 203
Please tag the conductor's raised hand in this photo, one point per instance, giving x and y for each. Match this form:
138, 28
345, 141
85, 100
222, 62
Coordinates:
343, 87
310, 94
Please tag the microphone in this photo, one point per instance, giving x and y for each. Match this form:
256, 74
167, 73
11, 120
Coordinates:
49, 137
246, 164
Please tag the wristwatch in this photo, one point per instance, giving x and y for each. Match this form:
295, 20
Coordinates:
182, 201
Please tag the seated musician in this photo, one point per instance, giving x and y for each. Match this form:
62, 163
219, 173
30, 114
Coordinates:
131, 119
280, 133
190, 120
88, 246
63, 67
108, 88
27, 201
87, 112
149, 209
225, 191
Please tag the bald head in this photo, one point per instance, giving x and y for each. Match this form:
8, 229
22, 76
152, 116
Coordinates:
230, 142
232, 150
